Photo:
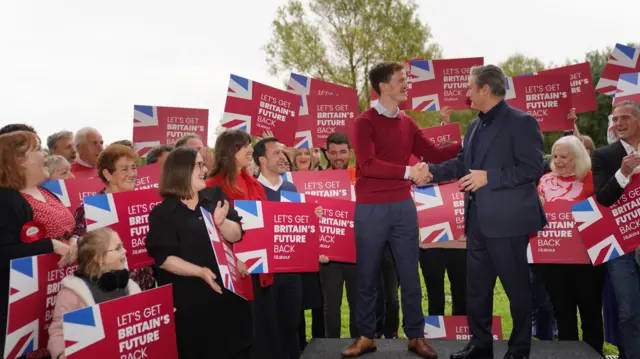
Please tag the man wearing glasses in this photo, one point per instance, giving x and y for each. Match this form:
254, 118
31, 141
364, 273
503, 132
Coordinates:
612, 168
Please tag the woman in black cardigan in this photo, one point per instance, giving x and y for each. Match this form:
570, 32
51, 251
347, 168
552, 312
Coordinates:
21, 169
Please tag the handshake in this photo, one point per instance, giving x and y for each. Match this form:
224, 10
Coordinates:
420, 174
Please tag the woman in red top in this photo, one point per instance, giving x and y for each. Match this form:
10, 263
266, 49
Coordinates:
573, 286
233, 156
32, 220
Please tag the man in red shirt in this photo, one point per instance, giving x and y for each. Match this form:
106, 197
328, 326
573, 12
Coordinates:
385, 212
89, 144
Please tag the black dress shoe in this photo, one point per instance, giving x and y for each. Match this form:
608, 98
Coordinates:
473, 352
509, 355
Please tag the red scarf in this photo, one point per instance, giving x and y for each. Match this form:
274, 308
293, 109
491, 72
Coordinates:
254, 192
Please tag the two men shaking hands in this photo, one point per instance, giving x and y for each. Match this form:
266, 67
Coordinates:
476, 179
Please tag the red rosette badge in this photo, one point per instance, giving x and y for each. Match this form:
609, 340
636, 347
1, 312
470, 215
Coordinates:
31, 231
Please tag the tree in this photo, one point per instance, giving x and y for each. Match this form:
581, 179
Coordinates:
339, 40
518, 64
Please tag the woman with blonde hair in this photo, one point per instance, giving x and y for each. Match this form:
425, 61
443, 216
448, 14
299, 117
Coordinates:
101, 276
304, 160
58, 168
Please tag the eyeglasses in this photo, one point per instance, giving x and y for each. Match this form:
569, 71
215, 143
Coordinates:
118, 248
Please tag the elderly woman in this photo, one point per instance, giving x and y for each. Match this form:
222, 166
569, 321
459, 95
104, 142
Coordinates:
118, 171
32, 219
573, 286
101, 276
58, 168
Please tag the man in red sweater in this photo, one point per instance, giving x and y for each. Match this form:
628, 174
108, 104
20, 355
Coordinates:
89, 145
385, 211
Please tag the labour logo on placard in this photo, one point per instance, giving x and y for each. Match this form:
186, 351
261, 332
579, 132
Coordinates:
440, 232
628, 88
257, 261
82, 328
251, 213
434, 327
100, 211
623, 59
427, 197
59, 188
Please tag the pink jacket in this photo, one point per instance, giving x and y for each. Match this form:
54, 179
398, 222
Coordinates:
73, 295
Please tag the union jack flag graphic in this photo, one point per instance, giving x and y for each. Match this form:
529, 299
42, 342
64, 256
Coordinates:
605, 250
211, 227
145, 116
425, 103
240, 87
257, 261
22, 338
427, 197
82, 328
511, 90
589, 217
286, 196
251, 213
59, 188
236, 121
623, 59
434, 327
440, 232
299, 84
586, 213
628, 88
304, 139
143, 148
100, 211
422, 70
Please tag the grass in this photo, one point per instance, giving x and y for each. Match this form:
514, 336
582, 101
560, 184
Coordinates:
500, 308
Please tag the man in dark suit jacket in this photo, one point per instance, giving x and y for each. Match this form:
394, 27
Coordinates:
498, 167
612, 168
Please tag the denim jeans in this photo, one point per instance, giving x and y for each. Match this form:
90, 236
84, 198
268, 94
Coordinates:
625, 277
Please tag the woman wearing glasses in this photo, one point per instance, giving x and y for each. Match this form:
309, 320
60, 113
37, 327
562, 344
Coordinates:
101, 276
211, 322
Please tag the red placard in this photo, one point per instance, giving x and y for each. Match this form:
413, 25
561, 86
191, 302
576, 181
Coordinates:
224, 256
623, 60
337, 236
326, 115
255, 108
610, 232
156, 125
279, 237
148, 177
545, 97
136, 326
440, 135
456, 328
335, 183
583, 96
440, 213
71, 192
305, 85
127, 213
628, 88
559, 241
440, 83
34, 283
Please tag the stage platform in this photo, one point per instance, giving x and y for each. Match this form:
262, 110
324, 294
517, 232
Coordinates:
397, 349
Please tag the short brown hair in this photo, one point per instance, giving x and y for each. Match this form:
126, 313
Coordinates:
175, 180
13, 149
184, 139
92, 247
383, 72
108, 158
338, 138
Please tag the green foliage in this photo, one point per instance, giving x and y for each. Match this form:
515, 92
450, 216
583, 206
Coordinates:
518, 64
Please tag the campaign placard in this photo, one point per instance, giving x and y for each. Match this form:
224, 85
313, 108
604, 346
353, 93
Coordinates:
158, 125
628, 88
136, 326
148, 177
34, 283
326, 115
224, 256
440, 136
583, 95
440, 214
545, 97
559, 241
440, 83
127, 213
279, 237
337, 235
456, 328
335, 184
610, 232
623, 60
255, 108
71, 192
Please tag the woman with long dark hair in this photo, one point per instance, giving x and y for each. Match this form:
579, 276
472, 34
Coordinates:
233, 156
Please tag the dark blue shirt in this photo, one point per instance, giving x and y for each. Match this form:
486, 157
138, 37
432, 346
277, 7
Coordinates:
274, 196
486, 119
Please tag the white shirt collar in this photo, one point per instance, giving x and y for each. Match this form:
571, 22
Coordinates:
384, 112
83, 163
265, 182
627, 147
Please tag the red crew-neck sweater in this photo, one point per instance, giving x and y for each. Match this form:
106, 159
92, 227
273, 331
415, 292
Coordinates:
383, 146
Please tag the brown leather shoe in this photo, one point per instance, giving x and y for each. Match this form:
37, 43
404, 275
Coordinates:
362, 345
422, 347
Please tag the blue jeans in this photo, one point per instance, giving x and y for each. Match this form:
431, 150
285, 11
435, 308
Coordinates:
625, 278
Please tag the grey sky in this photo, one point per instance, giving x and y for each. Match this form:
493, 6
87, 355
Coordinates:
71, 63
